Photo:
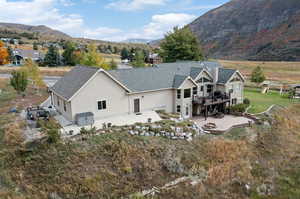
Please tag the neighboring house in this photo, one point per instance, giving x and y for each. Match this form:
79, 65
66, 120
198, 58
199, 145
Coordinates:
154, 58
20, 55
187, 88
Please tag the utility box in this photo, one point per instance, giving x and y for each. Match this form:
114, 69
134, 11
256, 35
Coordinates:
84, 119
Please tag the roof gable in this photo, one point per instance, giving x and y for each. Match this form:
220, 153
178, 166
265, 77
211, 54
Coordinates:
224, 75
68, 85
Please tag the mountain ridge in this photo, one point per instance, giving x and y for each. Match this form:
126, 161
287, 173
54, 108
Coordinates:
267, 30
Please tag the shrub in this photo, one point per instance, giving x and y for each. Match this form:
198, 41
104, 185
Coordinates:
239, 108
246, 101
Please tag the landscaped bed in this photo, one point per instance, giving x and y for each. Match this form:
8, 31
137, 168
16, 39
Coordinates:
261, 102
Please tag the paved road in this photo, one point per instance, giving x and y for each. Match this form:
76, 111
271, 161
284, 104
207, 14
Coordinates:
49, 80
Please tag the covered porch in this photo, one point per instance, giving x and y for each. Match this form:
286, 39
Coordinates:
214, 105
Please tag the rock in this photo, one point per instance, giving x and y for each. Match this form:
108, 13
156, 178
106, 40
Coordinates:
189, 139
54, 196
147, 134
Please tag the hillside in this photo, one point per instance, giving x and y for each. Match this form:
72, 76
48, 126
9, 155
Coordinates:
39, 32
266, 30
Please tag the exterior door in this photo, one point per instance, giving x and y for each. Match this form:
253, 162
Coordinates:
137, 105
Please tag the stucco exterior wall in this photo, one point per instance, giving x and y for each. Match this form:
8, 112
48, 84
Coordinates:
101, 87
60, 106
156, 100
238, 89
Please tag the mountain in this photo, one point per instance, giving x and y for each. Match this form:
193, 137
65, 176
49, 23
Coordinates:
41, 32
137, 41
251, 30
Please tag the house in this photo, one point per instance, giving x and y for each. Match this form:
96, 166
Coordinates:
187, 88
154, 58
20, 55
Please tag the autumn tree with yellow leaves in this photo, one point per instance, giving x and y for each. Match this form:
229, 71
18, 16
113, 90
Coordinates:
33, 73
93, 58
4, 55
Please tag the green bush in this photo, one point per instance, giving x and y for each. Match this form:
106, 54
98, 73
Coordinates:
239, 108
246, 101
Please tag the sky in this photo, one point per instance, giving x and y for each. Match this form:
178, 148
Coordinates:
111, 20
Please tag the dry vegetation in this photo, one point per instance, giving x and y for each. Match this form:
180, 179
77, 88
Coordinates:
263, 158
277, 71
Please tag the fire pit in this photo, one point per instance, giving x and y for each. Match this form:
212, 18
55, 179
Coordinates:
210, 126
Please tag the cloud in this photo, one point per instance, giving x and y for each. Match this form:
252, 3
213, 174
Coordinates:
155, 29
40, 12
130, 5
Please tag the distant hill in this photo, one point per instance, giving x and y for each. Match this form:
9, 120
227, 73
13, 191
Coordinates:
39, 32
251, 30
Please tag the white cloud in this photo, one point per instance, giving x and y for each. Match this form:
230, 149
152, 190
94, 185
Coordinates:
40, 12
130, 5
159, 25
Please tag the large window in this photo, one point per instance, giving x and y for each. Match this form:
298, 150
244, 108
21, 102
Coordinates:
65, 107
187, 93
178, 94
178, 109
195, 90
210, 88
102, 105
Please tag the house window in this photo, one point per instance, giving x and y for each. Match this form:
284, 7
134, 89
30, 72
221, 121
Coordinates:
178, 94
57, 101
202, 88
209, 88
195, 90
65, 107
102, 105
178, 109
234, 101
187, 93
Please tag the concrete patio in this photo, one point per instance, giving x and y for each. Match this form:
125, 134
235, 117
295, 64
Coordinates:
121, 120
223, 124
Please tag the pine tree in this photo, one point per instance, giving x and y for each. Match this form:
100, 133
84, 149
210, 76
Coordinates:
257, 75
124, 54
181, 44
52, 57
19, 81
69, 55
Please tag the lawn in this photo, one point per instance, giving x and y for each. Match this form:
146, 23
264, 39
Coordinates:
261, 102
276, 71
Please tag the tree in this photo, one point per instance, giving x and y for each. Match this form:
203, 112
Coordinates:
181, 44
10, 53
124, 54
4, 54
257, 75
33, 73
113, 65
93, 58
19, 81
52, 58
69, 54
139, 59
35, 46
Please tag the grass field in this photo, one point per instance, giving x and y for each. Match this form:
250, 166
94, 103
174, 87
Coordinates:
277, 71
261, 102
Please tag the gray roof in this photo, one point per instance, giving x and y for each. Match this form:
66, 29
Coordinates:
158, 77
162, 76
178, 80
224, 75
73, 81
33, 54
